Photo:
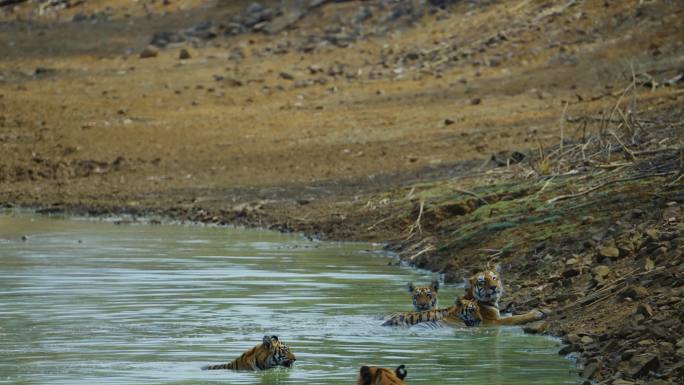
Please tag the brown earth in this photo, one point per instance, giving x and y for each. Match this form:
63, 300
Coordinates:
448, 132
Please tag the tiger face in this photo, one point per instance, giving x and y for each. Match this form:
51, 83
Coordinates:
372, 375
468, 311
279, 354
485, 286
424, 297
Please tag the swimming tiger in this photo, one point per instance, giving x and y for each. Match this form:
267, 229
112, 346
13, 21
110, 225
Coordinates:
424, 297
464, 310
486, 287
372, 375
268, 354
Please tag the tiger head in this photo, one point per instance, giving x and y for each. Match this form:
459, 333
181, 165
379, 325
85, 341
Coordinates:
372, 375
279, 354
424, 297
468, 311
485, 286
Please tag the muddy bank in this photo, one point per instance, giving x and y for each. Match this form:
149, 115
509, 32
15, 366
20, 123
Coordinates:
548, 141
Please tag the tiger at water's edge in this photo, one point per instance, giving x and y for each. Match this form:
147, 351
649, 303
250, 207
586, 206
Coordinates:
268, 354
372, 375
486, 287
424, 297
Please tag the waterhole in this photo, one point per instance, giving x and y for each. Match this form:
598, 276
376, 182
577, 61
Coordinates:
91, 302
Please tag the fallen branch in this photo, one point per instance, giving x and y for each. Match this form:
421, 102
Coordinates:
425, 250
416, 224
602, 185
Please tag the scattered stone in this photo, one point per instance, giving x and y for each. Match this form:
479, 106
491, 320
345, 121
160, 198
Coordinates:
623, 382
644, 309
648, 264
600, 272
148, 52
24, 238
591, 369
448, 122
475, 101
184, 54
537, 327
642, 365
609, 252
567, 349
586, 340
634, 292
286, 76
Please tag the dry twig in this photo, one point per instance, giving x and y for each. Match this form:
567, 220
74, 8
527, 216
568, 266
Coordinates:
602, 185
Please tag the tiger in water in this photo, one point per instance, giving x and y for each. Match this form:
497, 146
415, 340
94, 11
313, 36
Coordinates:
486, 287
373, 375
463, 310
268, 354
424, 297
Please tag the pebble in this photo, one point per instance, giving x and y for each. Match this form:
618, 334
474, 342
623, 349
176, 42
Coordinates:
644, 309
609, 252
148, 53
586, 340
184, 54
601, 271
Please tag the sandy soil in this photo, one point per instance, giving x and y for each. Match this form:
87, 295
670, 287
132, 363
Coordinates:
335, 130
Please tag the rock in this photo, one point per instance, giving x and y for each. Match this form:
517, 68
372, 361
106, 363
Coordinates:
586, 340
148, 53
184, 54
647, 342
623, 382
567, 349
591, 369
537, 327
286, 76
634, 292
475, 101
24, 238
648, 264
627, 354
609, 252
448, 122
644, 309
571, 273
642, 365
600, 271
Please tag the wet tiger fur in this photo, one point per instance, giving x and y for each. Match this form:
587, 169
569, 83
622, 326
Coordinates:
372, 375
424, 297
486, 287
268, 354
464, 310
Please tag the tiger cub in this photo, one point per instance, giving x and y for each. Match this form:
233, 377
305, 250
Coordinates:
486, 287
424, 297
372, 375
268, 354
464, 310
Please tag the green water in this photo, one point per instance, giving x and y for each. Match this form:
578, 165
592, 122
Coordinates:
86, 302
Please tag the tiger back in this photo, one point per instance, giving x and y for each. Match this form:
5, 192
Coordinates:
424, 297
373, 375
464, 310
271, 352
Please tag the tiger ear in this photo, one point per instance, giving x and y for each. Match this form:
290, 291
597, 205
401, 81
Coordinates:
365, 375
435, 285
410, 287
267, 340
401, 372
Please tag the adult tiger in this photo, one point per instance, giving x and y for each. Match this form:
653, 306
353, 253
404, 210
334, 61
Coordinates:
372, 375
486, 287
424, 297
268, 354
467, 311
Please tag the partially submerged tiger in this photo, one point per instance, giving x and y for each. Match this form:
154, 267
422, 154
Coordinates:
271, 352
479, 305
373, 375
463, 310
424, 297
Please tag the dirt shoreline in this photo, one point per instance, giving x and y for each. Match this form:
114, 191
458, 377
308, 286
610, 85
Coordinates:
548, 141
